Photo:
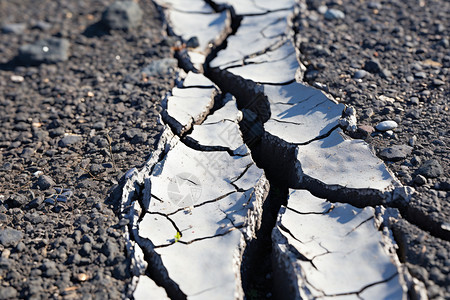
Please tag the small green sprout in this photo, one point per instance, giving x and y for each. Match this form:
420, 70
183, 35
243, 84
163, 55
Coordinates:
177, 236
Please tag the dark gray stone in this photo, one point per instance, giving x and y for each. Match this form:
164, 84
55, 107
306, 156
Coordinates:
16, 200
193, 42
431, 169
50, 269
420, 180
86, 250
35, 202
15, 28
396, 152
122, 15
45, 182
41, 25
8, 293
443, 185
69, 140
121, 271
51, 50
372, 66
10, 237
96, 169
160, 67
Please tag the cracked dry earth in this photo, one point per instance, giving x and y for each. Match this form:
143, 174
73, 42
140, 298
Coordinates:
256, 189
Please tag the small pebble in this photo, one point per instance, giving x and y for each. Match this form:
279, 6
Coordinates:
372, 66
438, 82
420, 180
386, 125
69, 140
51, 50
431, 169
414, 100
396, 152
45, 182
122, 15
334, 14
360, 74
15, 28
17, 78
420, 75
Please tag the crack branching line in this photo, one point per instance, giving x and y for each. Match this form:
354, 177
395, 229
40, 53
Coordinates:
241, 61
320, 137
168, 218
206, 87
359, 225
156, 197
365, 287
247, 63
286, 122
312, 212
243, 172
200, 239
296, 103
203, 203
285, 229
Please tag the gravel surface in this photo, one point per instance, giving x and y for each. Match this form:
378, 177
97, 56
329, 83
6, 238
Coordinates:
74, 121
70, 128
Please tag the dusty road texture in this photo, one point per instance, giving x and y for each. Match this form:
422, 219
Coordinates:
256, 188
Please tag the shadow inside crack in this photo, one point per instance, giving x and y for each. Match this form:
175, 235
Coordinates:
256, 268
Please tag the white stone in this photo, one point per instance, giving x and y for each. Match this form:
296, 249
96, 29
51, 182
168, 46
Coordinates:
343, 251
242, 7
337, 161
386, 125
17, 78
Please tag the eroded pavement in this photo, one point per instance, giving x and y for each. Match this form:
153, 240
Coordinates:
240, 127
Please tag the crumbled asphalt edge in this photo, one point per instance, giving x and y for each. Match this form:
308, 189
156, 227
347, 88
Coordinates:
90, 190
261, 282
